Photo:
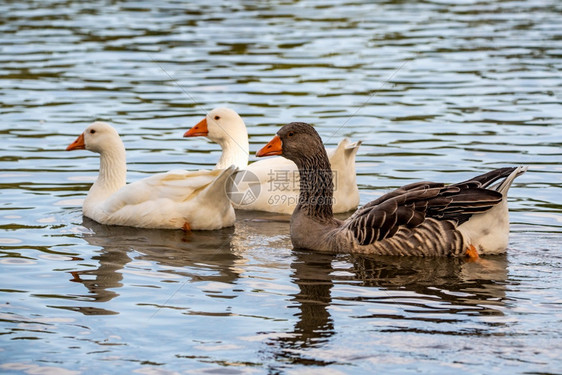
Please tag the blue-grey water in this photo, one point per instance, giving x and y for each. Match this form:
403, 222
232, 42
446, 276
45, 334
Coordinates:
436, 90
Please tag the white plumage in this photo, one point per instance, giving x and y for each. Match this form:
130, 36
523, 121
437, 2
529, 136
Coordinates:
488, 232
172, 200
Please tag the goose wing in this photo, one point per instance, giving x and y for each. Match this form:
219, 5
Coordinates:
176, 186
410, 205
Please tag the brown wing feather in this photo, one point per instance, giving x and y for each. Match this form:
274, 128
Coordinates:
486, 179
410, 205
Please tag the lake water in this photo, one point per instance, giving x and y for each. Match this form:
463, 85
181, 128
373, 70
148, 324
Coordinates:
436, 90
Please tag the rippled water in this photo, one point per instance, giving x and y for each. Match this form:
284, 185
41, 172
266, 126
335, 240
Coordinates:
437, 90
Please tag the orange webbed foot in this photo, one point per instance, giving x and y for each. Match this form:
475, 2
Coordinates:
186, 227
472, 253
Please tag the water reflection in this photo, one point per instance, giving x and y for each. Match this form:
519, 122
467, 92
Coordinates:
442, 290
437, 290
444, 285
314, 326
173, 251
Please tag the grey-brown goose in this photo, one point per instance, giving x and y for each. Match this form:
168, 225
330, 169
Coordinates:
420, 219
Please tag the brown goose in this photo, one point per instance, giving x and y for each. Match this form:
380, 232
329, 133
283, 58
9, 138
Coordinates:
420, 219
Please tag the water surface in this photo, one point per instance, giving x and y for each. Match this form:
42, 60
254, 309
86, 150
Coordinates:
436, 90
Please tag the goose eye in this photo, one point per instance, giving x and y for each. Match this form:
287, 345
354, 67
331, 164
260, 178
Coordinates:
290, 134
92, 131
217, 117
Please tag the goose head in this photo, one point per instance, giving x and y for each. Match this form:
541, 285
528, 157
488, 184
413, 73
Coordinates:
221, 125
295, 141
98, 137
225, 127
103, 139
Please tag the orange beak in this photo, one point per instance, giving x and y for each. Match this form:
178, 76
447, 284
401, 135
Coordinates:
78, 144
198, 130
274, 147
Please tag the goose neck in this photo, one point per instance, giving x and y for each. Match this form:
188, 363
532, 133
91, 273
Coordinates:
234, 152
113, 171
316, 186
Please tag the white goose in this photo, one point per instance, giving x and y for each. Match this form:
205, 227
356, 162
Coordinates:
173, 200
278, 178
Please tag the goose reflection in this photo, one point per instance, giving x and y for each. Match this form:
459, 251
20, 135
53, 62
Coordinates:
174, 251
314, 326
440, 286
467, 287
